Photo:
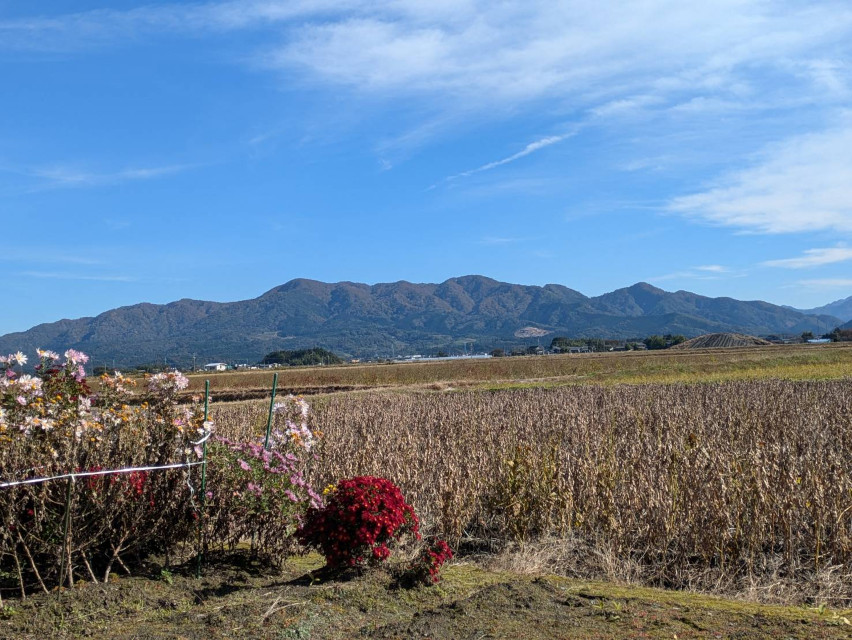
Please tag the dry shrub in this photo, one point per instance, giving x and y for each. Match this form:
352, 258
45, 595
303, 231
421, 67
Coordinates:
56, 531
731, 486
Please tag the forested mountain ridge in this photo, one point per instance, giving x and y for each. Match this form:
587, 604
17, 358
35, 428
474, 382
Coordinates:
360, 320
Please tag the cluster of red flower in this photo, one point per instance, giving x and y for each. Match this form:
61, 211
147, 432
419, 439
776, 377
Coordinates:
433, 558
134, 484
361, 517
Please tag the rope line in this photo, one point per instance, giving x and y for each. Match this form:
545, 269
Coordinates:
103, 472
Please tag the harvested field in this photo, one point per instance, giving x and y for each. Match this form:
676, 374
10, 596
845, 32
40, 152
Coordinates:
722, 340
792, 362
732, 487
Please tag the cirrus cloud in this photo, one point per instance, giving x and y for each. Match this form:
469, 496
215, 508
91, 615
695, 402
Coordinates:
813, 258
802, 184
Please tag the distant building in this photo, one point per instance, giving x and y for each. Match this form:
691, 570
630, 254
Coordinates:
215, 366
819, 341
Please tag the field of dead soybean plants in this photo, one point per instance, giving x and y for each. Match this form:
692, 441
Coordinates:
710, 482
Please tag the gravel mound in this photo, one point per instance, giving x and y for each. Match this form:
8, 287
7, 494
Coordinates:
717, 340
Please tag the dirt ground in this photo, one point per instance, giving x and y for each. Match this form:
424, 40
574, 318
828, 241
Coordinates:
238, 598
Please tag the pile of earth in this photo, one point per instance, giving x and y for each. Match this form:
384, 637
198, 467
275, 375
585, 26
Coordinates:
716, 340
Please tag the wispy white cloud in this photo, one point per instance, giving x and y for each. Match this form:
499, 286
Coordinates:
477, 56
102, 27
496, 240
621, 56
68, 176
63, 275
802, 184
828, 283
523, 51
624, 106
656, 163
114, 224
703, 272
43, 255
813, 258
531, 148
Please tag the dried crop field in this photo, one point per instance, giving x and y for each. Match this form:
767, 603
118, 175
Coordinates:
735, 487
791, 362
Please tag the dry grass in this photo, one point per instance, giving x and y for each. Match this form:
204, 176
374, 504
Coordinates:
732, 487
790, 362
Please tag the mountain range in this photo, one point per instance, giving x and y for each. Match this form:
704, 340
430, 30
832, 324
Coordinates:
839, 308
360, 320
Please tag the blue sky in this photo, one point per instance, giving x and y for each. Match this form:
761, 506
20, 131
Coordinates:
213, 150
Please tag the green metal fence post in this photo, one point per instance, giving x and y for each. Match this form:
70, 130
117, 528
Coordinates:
65, 562
203, 484
271, 410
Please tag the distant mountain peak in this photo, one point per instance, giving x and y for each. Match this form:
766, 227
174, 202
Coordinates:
644, 286
841, 308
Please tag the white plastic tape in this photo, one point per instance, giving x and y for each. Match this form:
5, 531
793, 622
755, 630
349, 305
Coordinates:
102, 472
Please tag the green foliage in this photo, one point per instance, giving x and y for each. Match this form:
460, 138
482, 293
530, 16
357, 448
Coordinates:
839, 335
302, 357
562, 344
663, 342
655, 342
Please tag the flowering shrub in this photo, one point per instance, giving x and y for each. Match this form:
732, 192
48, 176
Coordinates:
427, 567
362, 517
52, 424
262, 494
295, 412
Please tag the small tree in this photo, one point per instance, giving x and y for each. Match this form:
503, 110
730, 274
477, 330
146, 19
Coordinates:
655, 342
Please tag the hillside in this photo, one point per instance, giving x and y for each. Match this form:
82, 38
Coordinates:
839, 308
363, 321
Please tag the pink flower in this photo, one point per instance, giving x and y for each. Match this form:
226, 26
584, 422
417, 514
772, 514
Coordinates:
76, 357
244, 465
